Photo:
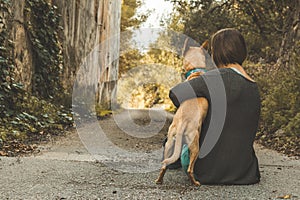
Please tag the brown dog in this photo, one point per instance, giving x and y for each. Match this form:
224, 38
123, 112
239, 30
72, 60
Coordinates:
187, 122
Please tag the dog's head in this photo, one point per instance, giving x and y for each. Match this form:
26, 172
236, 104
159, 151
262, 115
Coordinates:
195, 58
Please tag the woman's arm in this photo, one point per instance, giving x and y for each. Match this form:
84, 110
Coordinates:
189, 89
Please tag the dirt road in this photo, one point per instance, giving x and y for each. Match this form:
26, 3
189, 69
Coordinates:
64, 169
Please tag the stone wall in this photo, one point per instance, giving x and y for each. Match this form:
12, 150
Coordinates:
86, 24
89, 25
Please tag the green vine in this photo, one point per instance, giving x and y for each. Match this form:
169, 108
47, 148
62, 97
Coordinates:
25, 118
8, 87
42, 24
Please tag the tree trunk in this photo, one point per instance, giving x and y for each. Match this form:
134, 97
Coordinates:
290, 36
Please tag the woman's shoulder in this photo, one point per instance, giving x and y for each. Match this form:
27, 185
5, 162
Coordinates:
228, 74
223, 73
217, 71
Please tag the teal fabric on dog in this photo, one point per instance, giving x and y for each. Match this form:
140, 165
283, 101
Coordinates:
185, 158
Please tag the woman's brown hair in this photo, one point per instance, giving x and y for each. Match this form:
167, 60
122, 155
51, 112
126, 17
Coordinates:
228, 46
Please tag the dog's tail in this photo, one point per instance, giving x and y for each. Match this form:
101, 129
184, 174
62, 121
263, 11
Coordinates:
178, 145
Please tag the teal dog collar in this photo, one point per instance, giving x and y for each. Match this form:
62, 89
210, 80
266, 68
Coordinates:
195, 70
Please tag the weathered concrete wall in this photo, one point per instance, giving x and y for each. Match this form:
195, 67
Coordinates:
87, 25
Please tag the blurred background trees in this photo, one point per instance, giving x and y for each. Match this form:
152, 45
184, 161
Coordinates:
271, 30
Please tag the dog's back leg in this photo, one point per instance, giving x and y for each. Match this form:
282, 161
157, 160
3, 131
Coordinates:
167, 153
169, 145
194, 152
169, 148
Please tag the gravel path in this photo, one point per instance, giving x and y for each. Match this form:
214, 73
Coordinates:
65, 170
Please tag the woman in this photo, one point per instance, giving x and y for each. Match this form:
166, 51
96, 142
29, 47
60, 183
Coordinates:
231, 158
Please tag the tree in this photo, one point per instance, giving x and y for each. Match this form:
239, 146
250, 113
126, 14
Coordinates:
267, 25
290, 32
129, 17
130, 20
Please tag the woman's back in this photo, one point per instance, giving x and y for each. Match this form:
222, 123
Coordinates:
232, 159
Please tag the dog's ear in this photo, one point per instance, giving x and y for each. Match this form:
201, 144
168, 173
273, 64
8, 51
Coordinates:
184, 48
205, 44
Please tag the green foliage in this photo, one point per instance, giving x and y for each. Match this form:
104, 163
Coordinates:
261, 22
280, 113
129, 17
8, 87
129, 60
129, 20
22, 115
146, 86
32, 117
166, 58
42, 24
146, 96
280, 105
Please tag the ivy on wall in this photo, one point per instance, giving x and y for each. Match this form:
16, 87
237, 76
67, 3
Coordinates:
26, 117
8, 87
42, 25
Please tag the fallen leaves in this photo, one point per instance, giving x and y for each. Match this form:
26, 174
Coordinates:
2, 153
283, 143
16, 147
288, 196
